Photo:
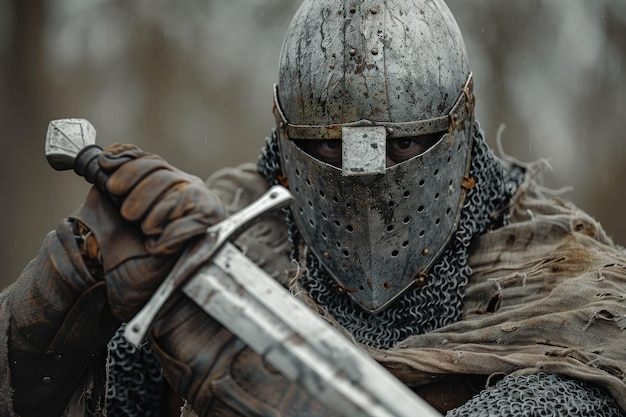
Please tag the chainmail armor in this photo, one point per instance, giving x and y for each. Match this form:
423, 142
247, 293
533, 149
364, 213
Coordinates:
540, 395
439, 302
135, 383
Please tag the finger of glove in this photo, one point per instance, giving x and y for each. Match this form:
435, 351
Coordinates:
186, 211
126, 177
131, 284
118, 148
118, 154
147, 192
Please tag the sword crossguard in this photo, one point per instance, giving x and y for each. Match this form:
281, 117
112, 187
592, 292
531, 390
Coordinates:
201, 253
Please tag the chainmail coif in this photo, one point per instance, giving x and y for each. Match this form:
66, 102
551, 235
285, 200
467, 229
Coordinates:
440, 301
540, 395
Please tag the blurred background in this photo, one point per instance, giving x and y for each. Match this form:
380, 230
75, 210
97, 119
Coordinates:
192, 80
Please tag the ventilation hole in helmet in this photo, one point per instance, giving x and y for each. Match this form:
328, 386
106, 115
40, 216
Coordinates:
310, 203
300, 210
308, 182
390, 227
361, 287
346, 253
297, 189
406, 194
458, 148
422, 233
449, 159
406, 220
350, 228
405, 243
337, 223
336, 199
324, 235
436, 196
448, 211
395, 253
450, 183
421, 183
348, 205
420, 209
311, 223
322, 194
297, 172
338, 243
324, 216
437, 222
436, 172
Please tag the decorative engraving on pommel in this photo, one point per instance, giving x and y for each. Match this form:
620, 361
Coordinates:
65, 139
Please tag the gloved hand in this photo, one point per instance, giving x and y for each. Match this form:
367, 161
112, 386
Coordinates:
166, 208
98, 268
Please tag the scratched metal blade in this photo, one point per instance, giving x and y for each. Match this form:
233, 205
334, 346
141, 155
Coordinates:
300, 344
200, 253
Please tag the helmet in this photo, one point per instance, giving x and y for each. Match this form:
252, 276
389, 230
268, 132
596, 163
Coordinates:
358, 75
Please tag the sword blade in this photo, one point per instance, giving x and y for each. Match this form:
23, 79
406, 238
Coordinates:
300, 344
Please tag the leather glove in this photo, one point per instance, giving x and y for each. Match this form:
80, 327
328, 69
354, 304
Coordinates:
70, 299
166, 208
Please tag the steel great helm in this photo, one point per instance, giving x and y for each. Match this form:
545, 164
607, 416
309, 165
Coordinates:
361, 75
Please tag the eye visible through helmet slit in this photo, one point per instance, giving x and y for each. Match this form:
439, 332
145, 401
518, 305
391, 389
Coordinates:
399, 150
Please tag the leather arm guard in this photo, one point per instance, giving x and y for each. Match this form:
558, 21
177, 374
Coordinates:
60, 325
540, 395
217, 374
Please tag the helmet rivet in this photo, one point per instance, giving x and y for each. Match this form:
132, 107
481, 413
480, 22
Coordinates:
375, 51
46, 380
339, 289
422, 279
389, 131
331, 66
374, 10
327, 255
352, 9
425, 251
352, 52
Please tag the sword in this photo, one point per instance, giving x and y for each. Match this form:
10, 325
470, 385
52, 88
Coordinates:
254, 306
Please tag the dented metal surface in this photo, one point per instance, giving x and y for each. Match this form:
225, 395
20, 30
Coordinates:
395, 65
397, 69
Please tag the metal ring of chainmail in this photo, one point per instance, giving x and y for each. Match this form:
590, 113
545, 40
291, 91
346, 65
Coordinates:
540, 395
135, 383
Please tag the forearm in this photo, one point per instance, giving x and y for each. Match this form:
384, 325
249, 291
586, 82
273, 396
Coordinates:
218, 374
59, 326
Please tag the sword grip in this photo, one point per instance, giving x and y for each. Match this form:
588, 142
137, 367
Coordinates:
86, 165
